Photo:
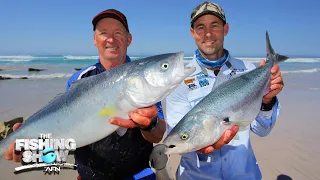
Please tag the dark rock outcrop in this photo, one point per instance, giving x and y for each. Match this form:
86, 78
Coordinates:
7, 78
36, 70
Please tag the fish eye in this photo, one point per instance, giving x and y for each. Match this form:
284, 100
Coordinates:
184, 136
165, 66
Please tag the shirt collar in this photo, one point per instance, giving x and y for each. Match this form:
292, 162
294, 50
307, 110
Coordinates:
198, 68
99, 65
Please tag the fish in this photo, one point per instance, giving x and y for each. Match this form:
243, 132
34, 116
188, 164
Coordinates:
82, 113
234, 100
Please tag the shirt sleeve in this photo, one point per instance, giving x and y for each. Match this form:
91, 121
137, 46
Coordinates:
72, 79
265, 121
176, 106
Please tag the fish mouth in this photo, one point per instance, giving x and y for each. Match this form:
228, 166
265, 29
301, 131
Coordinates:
181, 71
176, 149
187, 71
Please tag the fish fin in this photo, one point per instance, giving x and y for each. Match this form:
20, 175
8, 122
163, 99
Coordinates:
109, 111
56, 97
75, 83
121, 131
221, 78
236, 137
270, 51
282, 58
243, 124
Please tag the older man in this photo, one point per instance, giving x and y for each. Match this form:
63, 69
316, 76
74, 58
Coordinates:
125, 153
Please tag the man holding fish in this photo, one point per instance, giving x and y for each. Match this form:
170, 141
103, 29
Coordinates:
126, 151
226, 117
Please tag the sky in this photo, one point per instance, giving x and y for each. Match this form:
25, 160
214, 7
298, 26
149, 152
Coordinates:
63, 27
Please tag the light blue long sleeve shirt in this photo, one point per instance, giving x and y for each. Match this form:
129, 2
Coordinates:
235, 160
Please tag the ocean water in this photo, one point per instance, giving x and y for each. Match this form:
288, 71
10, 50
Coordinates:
62, 67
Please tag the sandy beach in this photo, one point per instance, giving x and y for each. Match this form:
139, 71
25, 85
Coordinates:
291, 149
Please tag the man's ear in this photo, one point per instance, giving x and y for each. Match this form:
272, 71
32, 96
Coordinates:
94, 38
192, 32
129, 39
226, 29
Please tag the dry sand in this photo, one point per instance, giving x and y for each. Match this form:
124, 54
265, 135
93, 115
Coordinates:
291, 149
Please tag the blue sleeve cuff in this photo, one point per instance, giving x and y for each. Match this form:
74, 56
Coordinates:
160, 111
265, 121
267, 118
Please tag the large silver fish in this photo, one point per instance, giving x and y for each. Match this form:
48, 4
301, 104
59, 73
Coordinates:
232, 101
83, 112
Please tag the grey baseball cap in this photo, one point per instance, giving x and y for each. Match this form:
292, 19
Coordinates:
207, 8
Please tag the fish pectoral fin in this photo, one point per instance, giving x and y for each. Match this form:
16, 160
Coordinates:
109, 111
236, 137
243, 124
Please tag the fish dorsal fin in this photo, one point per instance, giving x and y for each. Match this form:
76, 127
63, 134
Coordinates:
75, 83
270, 50
56, 97
221, 78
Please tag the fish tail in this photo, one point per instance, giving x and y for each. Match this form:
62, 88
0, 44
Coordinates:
6, 142
270, 52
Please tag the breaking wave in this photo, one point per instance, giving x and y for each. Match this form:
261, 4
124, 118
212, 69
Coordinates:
302, 71
70, 57
290, 60
34, 76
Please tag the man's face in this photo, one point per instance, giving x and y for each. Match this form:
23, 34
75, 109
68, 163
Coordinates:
208, 32
112, 39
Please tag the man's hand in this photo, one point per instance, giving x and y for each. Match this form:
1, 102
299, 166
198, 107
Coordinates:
140, 118
276, 83
10, 154
226, 137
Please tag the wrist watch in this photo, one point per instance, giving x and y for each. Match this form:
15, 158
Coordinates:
268, 107
153, 125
